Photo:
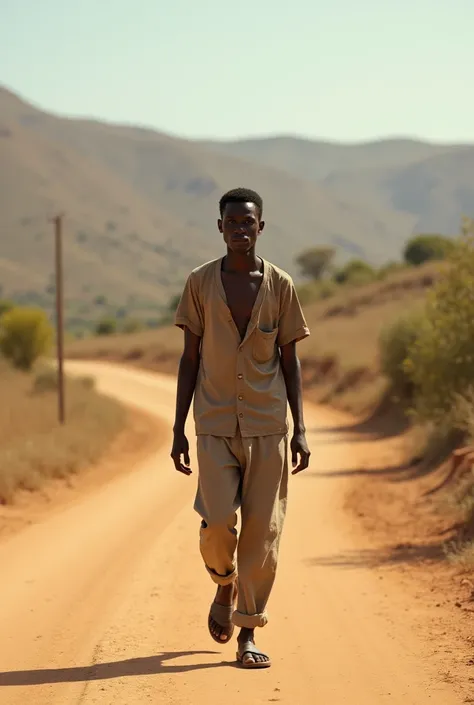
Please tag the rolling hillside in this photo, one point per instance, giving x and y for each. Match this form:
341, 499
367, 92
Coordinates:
141, 207
431, 183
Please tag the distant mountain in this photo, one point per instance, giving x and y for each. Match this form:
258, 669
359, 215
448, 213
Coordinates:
432, 183
141, 206
315, 160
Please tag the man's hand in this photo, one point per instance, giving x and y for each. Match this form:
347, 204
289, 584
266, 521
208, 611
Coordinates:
299, 447
181, 448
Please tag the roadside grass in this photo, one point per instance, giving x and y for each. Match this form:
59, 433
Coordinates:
33, 445
462, 555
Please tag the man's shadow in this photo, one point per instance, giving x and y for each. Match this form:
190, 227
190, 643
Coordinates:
143, 666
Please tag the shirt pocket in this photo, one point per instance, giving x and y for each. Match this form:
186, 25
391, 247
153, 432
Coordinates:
264, 343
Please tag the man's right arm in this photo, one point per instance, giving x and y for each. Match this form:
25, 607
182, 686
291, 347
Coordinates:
187, 376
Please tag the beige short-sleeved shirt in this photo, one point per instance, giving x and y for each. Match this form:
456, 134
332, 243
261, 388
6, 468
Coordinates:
240, 383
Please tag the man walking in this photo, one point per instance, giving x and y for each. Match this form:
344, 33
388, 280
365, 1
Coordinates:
241, 319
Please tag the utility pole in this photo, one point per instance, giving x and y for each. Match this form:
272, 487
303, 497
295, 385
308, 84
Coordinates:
58, 236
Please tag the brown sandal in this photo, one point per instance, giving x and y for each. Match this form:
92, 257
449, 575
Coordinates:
221, 615
249, 648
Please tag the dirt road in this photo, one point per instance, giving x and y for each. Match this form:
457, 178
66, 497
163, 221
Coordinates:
105, 602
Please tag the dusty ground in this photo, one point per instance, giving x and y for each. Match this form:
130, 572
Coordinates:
106, 599
401, 513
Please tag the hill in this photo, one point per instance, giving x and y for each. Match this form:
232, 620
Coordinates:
431, 183
316, 160
141, 208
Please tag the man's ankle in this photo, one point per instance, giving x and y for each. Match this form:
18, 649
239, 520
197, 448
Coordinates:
246, 634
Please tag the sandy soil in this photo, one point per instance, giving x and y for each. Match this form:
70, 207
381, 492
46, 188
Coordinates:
105, 601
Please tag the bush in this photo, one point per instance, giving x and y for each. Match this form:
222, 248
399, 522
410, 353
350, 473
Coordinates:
424, 248
316, 291
440, 361
5, 306
355, 272
107, 326
25, 335
395, 342
315, 261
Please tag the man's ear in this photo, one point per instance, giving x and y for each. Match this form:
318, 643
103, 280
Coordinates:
261, 225
219, 225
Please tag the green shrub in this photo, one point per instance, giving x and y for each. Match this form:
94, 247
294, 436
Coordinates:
440, 361
5, 306
107, 326
423, 248
100, 300
355, 272
316, 291
25, 335
395, 342
315, 261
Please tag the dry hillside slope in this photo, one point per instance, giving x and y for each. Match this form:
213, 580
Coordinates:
316, 160
431, 184
141, 206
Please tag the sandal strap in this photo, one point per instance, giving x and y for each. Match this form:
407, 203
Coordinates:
222, 614
250, 648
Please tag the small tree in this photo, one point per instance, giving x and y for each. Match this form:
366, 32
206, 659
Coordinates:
100, 300
424, 248
395, 341
315, 262
107, 326
25, 335
5, 306
440, 360
356, 271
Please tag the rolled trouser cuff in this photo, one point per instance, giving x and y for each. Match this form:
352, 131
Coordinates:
249, 621
222, 579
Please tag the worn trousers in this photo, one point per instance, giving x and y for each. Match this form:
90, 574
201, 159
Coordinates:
250, 474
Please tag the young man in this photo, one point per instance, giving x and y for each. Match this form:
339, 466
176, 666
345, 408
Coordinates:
242, 319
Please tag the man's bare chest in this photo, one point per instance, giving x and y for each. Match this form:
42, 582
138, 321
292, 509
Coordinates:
241, 294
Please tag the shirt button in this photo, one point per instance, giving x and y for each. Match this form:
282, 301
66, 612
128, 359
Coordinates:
240, 376
240, 397
241, 416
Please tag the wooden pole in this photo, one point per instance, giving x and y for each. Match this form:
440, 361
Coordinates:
58, 221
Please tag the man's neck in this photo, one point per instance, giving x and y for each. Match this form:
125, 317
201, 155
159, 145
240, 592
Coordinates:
242, 263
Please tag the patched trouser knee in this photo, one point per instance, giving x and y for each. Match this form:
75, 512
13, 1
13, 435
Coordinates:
218, 542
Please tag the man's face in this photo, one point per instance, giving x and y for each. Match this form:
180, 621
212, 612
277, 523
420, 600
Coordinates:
241, 226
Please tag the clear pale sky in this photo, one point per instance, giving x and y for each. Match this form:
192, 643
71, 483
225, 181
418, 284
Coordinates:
336, 69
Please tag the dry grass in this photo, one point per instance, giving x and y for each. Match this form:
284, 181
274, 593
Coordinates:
33, 445
462, 555
340, 359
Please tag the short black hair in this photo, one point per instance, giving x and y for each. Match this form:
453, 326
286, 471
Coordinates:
241, 195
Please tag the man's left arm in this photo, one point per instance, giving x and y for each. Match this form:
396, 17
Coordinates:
291, 369
292, 328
